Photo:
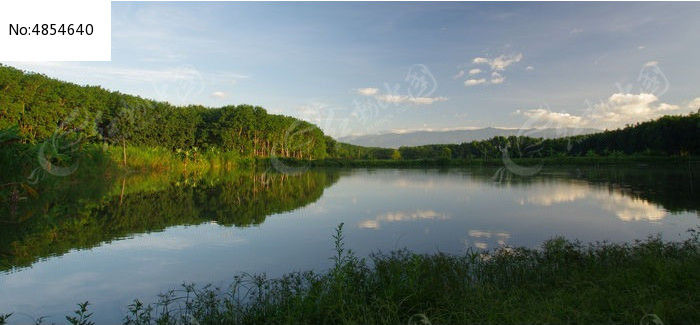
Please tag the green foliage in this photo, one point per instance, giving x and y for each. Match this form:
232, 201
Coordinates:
562, 282
64, 216
33, 105
4, 317
9, 134
82, 317
666, 136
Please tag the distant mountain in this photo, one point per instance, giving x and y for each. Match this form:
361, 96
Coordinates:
395, 140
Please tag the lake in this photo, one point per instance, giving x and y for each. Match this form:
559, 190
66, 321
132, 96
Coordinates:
144, 234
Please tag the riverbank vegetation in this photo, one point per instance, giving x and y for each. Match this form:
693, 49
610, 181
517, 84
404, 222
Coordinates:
562, 282
142, 133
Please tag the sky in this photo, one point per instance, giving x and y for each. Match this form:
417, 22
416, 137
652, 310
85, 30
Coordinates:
368, 68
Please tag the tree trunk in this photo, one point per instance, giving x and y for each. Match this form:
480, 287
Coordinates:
124, 151
121, 195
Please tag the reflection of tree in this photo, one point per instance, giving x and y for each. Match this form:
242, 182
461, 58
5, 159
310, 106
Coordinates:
100, 214
674, 189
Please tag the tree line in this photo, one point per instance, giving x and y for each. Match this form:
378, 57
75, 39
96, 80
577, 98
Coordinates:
667, 136
39, 106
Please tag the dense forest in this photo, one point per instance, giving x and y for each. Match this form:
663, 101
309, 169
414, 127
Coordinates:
666, 136
35, 107
39, 106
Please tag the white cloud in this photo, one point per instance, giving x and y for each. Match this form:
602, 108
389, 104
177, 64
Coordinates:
617, 111
651, 63
426, 100
392, 98
459, 74
694, 104
530, 68
557, 119
641, 47
496, 65
497, 78
576, 31
399, 99
502, 62
474, 82
219, 94
367, 91
624, 108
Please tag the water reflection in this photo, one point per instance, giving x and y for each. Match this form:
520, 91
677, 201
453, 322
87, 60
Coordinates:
70, 217
480, 237
401, 216
111, 242
624, 206
148, 203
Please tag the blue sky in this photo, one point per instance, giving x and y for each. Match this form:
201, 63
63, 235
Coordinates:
363, 68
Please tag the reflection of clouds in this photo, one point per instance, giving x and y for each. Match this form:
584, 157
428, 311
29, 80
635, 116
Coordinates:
177, 238
159, 243
369, 224
500, 237
628, 209
402, 216
481, 245
427, 184
624, 207
559, 193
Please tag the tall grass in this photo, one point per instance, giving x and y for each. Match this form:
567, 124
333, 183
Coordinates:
157, 159
563, 282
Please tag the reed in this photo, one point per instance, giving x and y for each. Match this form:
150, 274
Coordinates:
562, 282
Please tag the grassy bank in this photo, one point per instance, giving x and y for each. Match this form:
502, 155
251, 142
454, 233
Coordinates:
20, 160
563, 282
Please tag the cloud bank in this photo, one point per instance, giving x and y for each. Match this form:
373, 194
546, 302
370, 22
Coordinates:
617, 111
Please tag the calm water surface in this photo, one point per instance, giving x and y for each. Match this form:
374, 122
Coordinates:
140, 236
